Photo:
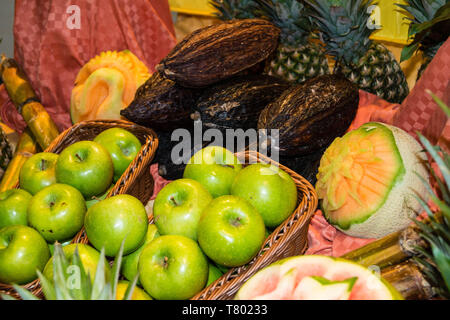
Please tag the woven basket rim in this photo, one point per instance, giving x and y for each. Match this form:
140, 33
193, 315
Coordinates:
298, 221
120, 186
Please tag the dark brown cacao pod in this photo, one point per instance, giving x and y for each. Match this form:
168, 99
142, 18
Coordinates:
219, 51
237, 102
161, 103
311, 115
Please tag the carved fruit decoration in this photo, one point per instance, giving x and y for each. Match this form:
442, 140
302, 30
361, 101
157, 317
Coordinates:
105, 85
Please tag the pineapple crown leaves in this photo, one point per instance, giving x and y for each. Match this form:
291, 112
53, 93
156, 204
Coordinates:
436, 231
343, 26
290, 16
234, 9
420, 11
428, 26
71, 282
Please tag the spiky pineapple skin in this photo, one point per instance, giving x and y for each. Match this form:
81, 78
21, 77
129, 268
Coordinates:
298, 64
377, 72
5, 152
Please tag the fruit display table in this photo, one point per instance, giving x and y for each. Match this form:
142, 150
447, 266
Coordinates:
278, 153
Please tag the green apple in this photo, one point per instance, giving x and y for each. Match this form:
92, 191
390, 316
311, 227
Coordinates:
57, 212
178, 207
269, 189
110, 221
89, 258
86, 166
123, 147
215, 168
94, 199
173, 267
13, 207
213, 274
130, 262
231, 231
38, 172
138, 293
222, 269
22, 251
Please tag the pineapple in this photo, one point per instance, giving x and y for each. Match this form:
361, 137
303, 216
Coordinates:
234, 9
5, 153
296, 58
345, 28
62, 287
421, 11
435, 258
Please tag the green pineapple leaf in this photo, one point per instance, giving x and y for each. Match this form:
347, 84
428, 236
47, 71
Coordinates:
408, 51
437, 158
71, 282
60, 266
426, 20
99, 279
440, 103
435, 260
130, 288
24, 293
116, 268
7, 297
80, 289
441, 256
234, 9
47, 287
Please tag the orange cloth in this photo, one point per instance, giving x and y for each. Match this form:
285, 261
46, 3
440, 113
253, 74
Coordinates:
51, 53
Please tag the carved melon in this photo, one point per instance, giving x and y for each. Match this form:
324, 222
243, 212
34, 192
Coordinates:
368, 178
105, 85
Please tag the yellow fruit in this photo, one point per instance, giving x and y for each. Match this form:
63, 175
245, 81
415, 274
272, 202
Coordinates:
105, 85
138, 293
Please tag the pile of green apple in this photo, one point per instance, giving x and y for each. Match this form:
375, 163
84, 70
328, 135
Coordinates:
214, 218
52, 202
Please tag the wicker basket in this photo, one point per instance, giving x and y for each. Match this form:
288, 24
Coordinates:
288, 239
136, 180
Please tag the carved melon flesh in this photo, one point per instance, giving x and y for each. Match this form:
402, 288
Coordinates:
367, 180
105, 85
316, 277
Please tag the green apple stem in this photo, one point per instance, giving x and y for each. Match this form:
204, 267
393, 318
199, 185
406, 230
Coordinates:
165, 262
42, 167
78, 157
236, 222
172, 198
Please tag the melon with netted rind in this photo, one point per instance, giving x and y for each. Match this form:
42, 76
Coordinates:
368, 179
316, 277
